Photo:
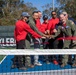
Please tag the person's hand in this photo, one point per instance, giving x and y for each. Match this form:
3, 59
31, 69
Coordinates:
47, 36
54, 31
48, 32
74, 42
50, 36
45, 32
43, 37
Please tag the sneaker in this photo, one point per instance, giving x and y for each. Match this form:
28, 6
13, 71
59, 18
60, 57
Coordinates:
14, 66
47, 62
37, 64
30, 66
74, 65
22, 68
63, 65
55, 62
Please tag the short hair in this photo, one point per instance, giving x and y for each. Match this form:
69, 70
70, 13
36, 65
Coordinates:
39, 11
53, 11
65, 13
36, 11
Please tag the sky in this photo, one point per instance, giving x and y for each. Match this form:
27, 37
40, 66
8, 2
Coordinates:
39, 3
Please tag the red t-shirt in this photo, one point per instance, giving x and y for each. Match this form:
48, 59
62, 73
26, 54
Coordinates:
44, 27
22, 29
38, 24
52, 24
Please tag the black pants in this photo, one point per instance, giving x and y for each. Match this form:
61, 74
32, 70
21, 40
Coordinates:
45, 43
55, 44
46, 46
19, 59
21, 45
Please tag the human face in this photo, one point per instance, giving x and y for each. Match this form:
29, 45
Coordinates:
25, 18
40, 14
46, 21
62, 18
54, 15
66, 16
35, 16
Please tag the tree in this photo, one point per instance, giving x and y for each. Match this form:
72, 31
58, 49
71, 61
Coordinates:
11, 10
69, 6
62, 5
48, 9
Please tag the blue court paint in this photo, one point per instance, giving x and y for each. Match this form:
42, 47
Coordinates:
5, 67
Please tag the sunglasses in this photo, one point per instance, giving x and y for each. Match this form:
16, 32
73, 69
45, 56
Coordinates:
26, 16
53, 14
64, 14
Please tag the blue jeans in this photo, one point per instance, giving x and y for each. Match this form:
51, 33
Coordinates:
36, 46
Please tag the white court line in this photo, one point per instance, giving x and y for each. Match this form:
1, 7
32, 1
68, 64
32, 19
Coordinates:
3, 59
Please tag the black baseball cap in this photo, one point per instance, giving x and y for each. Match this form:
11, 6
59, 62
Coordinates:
45, 17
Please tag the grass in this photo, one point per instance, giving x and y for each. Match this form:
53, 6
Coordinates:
1, 57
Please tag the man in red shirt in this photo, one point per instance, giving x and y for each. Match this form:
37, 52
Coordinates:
38, 22
51, 30
20, 33
53, 22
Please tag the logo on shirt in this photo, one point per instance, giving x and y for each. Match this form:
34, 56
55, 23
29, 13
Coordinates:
62, 27
67, 27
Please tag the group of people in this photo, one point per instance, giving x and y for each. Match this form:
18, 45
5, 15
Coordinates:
30, 27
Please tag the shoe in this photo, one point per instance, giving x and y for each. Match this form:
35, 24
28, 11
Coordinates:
55, 62
47, 62
63, 65
14, 66
30, 66
37, 64
74, 65
22, 68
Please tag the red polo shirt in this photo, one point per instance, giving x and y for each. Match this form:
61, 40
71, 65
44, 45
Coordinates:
52, 24
44, 27
22, 29
38, 24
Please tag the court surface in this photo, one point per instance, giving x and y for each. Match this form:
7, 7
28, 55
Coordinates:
45, 69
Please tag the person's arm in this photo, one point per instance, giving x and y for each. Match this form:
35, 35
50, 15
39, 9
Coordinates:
33, 26
73, 28
57, 33
28, 29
